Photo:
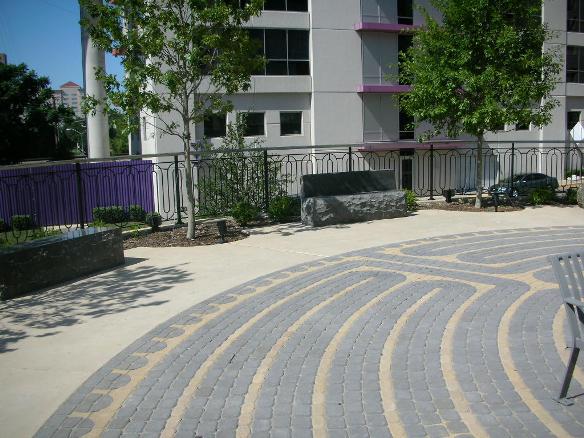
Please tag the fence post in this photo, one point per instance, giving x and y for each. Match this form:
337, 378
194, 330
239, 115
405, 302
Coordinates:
512, 162
431, 172
80, 196
177, 192
266, 181
350, 158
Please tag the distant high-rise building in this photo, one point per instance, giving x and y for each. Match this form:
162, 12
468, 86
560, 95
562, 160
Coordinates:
70, 95
3, 58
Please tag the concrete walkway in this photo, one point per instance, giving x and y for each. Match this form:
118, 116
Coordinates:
53, 341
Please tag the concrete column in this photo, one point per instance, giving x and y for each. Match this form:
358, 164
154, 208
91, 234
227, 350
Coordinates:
98, 145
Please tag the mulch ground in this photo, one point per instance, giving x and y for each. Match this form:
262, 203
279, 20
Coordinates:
205, 234
467, 204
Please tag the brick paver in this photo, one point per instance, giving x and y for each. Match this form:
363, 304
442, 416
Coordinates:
459, 335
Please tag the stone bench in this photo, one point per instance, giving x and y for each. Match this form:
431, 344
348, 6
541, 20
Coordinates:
345, 197
41, 263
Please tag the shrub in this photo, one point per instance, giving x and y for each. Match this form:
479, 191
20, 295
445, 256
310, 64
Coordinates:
284, 208
411, 200
136, 213
244, 212
2, 225
154, 220
540, 196
572, 196
110, 215
22, 222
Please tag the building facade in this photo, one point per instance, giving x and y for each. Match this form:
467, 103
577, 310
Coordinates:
331, 76
70, 95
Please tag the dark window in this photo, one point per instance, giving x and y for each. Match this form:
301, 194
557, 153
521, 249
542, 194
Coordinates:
286, 5
297, 5
297, 44
286, 51
405, 12
214, 125
573, 118
522, 126
406, 129
254, 124
275, 5
275, 44
575, 15
575, 64
290, 123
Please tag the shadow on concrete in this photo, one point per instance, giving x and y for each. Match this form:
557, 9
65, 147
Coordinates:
291, 228
109, 292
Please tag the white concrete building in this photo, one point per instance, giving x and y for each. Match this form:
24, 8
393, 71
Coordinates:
331, 79
70, 94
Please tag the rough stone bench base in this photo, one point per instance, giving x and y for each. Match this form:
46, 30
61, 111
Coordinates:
330, 210
45, 262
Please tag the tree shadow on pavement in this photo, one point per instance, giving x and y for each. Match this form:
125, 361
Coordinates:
106, 293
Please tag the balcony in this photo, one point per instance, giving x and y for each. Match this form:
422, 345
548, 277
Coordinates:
383, 88
385, 27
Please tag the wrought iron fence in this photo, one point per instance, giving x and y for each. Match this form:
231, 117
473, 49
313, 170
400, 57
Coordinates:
46, 198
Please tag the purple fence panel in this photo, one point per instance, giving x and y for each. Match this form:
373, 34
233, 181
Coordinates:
50, 194
122, 183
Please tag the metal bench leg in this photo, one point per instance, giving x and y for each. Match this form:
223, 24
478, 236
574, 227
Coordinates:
567, 378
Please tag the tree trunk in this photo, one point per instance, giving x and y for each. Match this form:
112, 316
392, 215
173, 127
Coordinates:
189, 180
479, 172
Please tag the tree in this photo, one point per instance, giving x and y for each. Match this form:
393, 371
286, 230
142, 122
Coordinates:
118, 128
482, 67
32, 125
181, 58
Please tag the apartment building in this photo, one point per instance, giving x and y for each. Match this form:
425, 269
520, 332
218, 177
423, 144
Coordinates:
331, 76
70, 94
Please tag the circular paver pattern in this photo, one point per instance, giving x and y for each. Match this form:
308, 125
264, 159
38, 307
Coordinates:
460, 335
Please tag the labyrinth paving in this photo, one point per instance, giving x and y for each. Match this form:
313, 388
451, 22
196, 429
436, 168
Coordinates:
460, 335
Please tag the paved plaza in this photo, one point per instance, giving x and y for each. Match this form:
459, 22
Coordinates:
453, 335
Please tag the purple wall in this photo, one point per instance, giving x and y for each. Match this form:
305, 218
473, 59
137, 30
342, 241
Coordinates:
50, 194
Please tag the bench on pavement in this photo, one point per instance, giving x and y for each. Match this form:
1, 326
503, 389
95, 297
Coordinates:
345, 197
569, 271
45, 262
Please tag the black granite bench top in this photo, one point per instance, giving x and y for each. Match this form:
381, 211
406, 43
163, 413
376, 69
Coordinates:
347, 183
74, 234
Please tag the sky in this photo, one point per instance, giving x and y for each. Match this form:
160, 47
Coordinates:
45, 35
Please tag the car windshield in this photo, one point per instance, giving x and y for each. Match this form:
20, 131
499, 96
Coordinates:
516, 178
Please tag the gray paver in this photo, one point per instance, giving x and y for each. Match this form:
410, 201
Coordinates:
353, 402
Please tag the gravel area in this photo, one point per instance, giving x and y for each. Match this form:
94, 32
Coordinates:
205, 234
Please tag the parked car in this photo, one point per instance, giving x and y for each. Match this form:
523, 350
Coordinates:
523, 183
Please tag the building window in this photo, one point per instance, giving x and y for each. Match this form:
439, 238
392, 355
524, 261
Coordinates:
254, 124
575, 64
522, 126
286, 51
405, 12
575, 15
572, 119
291, 123
406, 129
286, 5
214, 125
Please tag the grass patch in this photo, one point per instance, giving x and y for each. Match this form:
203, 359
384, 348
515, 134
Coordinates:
9, 238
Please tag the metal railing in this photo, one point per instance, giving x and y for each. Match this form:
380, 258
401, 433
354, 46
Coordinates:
64, 195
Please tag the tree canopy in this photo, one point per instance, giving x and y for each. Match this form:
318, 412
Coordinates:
32, 125
481, 67
181, 58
